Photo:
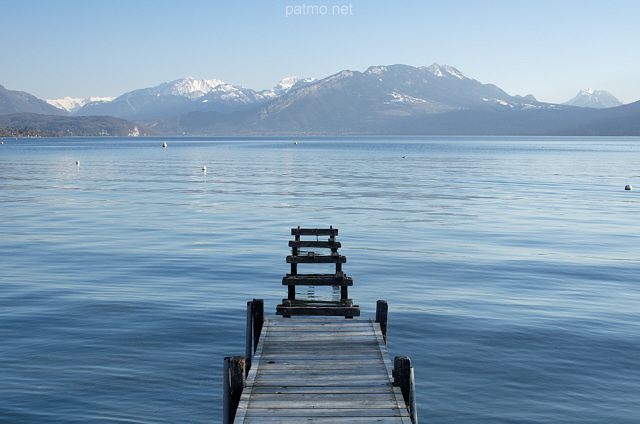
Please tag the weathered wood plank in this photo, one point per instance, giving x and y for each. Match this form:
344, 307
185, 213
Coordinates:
301, 347
315, 244
319, 310
318, 338
356, 367
322, 412
322, 420
314, 379
301, 353
382, 389
328, 329
329, 326
336, 402
317, 280
317, 259
326, 368
313, 322
321, 334
314, 231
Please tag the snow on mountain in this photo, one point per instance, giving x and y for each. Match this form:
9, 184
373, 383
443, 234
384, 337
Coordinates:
181, 96
598, 99
403, 98
444, 70
187, 87
72, 105
377, 70
192, 88
287, 84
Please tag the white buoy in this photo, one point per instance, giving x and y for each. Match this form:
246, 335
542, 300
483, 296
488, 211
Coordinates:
628, 187
78, 162
164, 144
204, 169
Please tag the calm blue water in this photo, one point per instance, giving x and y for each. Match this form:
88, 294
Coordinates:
511, 267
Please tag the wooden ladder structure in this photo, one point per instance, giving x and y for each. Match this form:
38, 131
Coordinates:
319, 369
293, 306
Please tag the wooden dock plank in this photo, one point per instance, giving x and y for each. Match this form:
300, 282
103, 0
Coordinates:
328, 412
321, 420
316, 243
314, 232
324, 370
324, 366
317, 259
382, 389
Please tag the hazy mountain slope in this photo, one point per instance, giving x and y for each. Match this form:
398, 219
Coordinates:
12, 101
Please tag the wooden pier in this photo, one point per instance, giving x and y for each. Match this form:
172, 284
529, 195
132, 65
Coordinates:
318, 369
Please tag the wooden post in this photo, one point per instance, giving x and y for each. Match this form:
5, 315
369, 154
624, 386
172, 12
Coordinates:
382, 312
258, 321
287, 304
233, 382
249, 338
402, 375
344, 294
413, 403
291, 290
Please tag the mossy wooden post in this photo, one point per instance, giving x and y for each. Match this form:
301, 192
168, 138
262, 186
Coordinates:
258, 321
382, 312
234, 379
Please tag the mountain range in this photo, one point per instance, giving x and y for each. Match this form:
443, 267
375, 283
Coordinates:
175, 98
395, 99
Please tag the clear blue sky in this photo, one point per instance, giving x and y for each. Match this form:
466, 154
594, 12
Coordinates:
549, 48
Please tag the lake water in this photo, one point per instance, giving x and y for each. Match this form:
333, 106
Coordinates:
511, 267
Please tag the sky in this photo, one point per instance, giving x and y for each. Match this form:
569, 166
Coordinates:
551, 49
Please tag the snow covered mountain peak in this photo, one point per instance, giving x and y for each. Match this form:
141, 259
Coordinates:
193, 88
284, 86
187, 87
598, 99
72, 104
287, 83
